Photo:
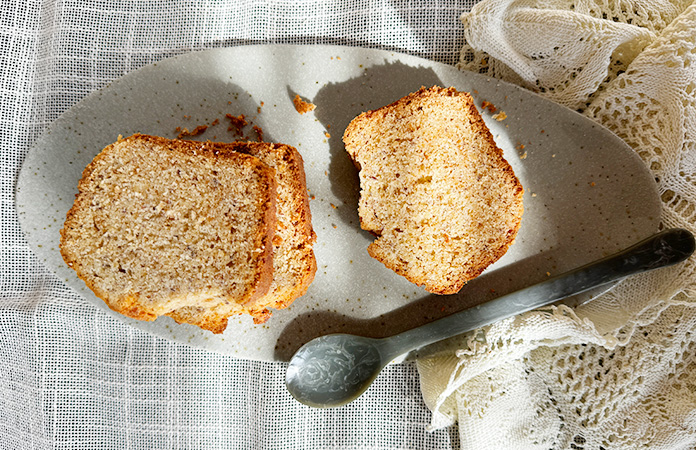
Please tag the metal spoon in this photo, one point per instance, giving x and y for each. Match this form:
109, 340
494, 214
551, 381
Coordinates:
336, 369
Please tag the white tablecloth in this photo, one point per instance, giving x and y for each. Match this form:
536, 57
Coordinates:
73, 377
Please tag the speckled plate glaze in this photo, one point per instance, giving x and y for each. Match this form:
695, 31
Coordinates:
586, 193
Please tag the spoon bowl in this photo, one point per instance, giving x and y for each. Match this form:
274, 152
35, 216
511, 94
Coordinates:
332, 370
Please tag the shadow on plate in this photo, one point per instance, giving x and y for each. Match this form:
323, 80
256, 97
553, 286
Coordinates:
339, 103
425, 309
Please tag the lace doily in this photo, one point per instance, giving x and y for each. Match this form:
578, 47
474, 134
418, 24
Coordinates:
619, 372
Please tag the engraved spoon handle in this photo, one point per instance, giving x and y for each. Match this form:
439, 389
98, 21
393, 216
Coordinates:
660, 250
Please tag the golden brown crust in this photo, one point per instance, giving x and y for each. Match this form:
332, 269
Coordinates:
202, 318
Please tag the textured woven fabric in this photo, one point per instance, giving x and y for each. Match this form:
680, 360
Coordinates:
615, 374
72, 377
618, 372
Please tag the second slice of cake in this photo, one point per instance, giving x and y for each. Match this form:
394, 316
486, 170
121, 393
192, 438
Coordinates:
434, 188
294, 264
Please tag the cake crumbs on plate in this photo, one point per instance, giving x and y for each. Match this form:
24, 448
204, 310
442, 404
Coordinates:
259, 132
302, 106
489, 106
184, 132
237, 124
237, 121
500, 116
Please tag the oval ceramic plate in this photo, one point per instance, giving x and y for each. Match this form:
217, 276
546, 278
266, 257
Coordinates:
586, 193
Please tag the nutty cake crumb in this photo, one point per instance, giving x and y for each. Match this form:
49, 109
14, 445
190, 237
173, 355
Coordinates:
489, 106
184, 132
500, 116
302, 106
259, 132
237, 123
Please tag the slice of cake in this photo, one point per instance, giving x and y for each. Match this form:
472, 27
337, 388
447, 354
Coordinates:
434, 188
158, 225
294, 265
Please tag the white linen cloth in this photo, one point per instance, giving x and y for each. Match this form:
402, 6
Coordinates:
72, 377
618, 372
615, 374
